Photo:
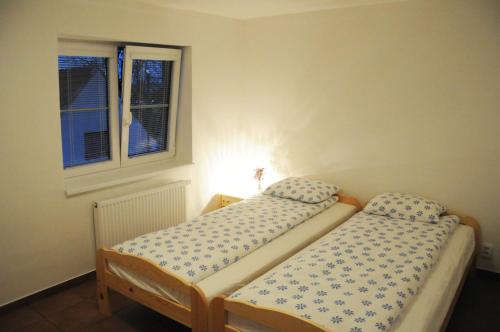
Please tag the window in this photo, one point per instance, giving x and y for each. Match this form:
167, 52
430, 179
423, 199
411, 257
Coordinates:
104, 126
150, 91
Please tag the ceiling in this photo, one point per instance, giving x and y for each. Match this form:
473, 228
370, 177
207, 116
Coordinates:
245, 9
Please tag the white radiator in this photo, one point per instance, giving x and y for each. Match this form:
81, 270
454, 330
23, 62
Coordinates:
123, 218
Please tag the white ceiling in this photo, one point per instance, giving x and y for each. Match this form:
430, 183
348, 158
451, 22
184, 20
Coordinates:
244, 9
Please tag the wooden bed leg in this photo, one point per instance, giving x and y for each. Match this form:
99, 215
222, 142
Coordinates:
199, 310
102, 289
218, 316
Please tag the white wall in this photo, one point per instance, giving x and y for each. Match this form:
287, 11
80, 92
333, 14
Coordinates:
46, 238
402, 96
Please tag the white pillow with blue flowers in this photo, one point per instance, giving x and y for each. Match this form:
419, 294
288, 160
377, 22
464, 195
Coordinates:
302, 189
405, 206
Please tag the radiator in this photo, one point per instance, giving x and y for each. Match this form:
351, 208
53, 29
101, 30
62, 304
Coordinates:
123, 218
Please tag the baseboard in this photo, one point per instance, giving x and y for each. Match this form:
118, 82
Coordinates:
48, 291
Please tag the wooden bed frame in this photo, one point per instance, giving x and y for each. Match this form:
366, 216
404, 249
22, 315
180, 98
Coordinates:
196, 316
280, 321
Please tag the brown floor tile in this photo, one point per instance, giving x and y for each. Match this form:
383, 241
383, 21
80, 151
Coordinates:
78, 316
118, 301
40, 326
18, 318
168, 325
147, 320
87, 289
56, 302
109, 325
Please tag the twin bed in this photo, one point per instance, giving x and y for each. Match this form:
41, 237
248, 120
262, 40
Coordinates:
230, 270
293, 295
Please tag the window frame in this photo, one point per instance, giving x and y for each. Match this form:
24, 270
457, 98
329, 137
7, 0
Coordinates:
67, 48
149, 53
118, 140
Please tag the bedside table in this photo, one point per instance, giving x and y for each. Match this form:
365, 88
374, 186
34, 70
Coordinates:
226, 200
219, 201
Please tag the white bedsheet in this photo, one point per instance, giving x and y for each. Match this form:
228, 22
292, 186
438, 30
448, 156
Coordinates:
257, 262
427, 311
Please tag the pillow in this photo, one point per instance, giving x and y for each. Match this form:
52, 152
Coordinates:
301, 189
405, 206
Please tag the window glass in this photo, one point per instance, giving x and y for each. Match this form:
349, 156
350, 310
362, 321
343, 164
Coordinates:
84, 109
149, 105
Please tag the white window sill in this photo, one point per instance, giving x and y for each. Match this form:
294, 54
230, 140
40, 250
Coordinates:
86, 183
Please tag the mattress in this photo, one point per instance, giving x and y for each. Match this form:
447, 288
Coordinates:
428, 309
252, 265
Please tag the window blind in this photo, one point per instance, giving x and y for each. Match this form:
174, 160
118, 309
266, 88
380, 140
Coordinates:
149, 105
84, 109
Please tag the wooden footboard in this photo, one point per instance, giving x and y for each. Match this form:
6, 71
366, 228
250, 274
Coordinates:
195, 316
274, 319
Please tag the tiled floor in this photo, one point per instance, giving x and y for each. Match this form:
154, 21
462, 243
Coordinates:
75, 309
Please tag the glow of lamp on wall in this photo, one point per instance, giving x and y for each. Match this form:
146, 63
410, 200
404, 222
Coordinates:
239, 178
231, 166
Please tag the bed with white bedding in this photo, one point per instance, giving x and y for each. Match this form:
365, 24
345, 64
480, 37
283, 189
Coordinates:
373, 273
429, 310
176, 271
197, 249
254, 264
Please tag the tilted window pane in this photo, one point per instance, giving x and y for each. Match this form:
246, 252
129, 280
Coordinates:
84, 107
148, 132
149, 105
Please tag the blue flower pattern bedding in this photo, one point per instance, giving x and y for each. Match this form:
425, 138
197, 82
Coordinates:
359, 277
197, 249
